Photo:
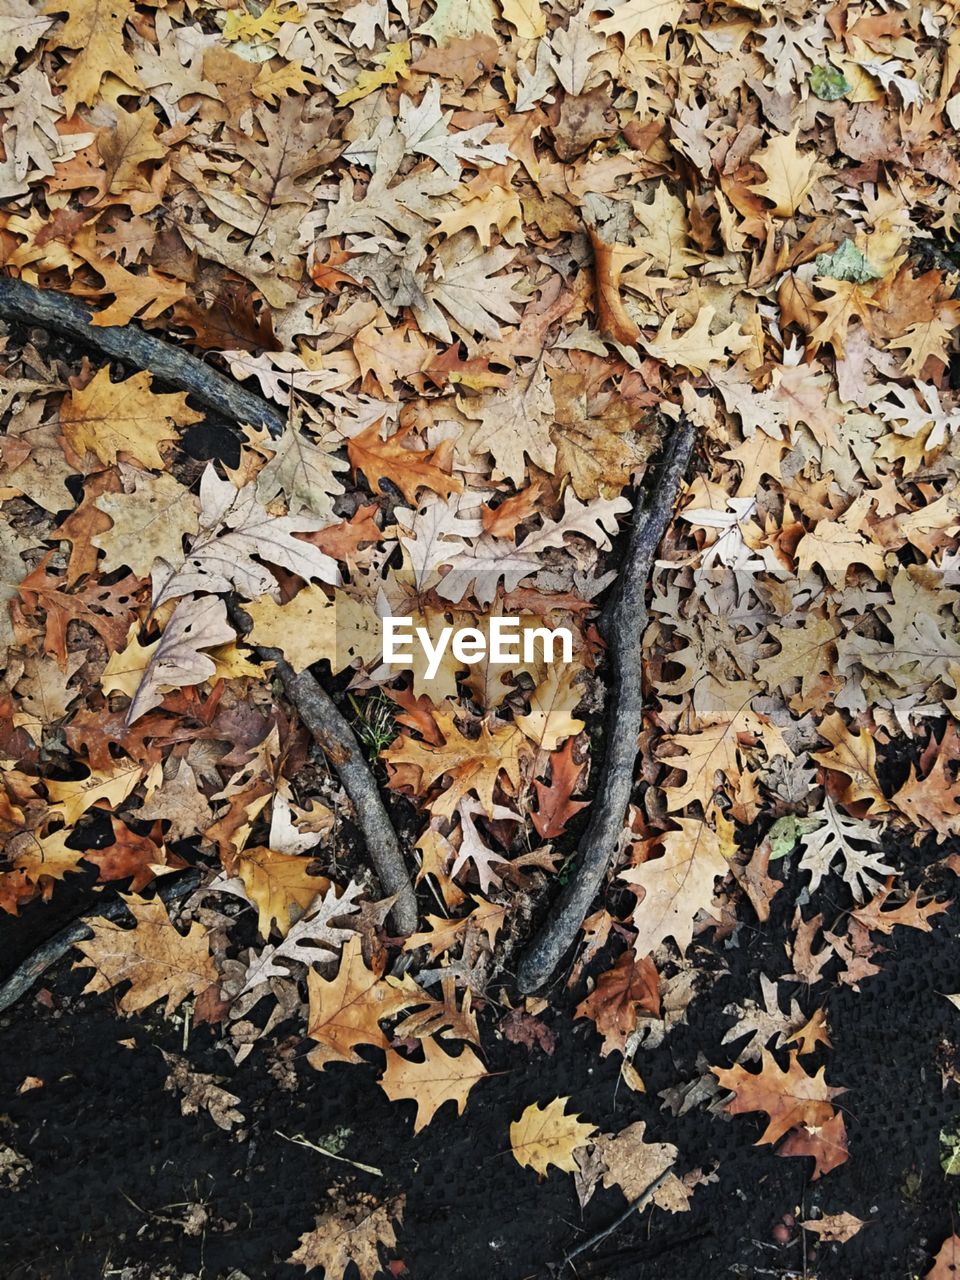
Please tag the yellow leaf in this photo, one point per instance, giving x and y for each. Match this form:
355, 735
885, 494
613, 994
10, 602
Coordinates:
275, 882
438, 1079
128, 145
676, 886
95, 27
526, 16
790, 173
74, 798
109, 418
304, 629
696, 348
394, 63
631, 17
544, 1136
345, 1011
549, 721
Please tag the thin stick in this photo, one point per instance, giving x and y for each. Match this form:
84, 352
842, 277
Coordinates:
333, 735
301, 1141
22, 979
625, 626
51, 310
637, 1206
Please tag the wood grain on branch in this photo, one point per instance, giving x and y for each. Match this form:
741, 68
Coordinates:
23, 303
624, 628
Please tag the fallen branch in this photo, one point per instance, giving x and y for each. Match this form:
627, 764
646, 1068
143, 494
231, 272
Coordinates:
636, 1206
22, 302
335, 738
624, 627
48, 309
170, 889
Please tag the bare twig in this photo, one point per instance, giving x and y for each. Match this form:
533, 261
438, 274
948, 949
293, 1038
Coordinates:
299, 1140
51, 310
334, 736
636, 1206
625, 626
170, 889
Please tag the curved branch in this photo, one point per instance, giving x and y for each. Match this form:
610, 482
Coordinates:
22, 302
336, 739
625, 626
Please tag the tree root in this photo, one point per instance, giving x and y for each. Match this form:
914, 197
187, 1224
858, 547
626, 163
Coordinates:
51, 310
624, 627
170, 889
336, 739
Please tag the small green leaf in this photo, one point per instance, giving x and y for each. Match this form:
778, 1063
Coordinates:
786, 832
846, 263
950, 1152
828, 83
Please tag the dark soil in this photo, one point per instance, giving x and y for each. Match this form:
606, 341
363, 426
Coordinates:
116, 1167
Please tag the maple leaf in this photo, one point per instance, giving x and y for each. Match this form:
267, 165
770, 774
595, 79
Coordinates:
234, 527
109, 418
161, 963
345, 1011
545, 1136
349, 1233
677, 885
439, 1078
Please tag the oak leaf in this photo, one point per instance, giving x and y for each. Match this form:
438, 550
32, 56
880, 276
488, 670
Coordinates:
349, 1233
109, 418
345, 1011
176, 659
410, 470
162, 963
696, 348
790, 1098
148, 521
676, 886
549, 720
234, 528
545, 1136
790, 173
304, 629
619, 996
439, 1078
